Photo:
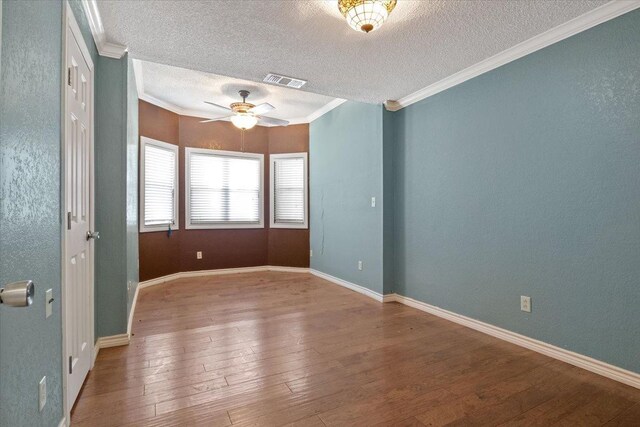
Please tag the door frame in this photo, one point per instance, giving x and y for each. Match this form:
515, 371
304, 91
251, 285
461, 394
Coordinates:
70, 23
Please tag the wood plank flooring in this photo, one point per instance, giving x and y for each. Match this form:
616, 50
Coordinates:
273, 349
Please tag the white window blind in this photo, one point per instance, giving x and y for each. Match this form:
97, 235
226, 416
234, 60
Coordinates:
159, 185
289, 190
225, 189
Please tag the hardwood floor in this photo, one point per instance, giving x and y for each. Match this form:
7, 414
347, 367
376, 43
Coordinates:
271, 349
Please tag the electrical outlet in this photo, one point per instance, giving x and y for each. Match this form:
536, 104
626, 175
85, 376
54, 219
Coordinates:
310, 252
48, 303
42, 392
199, 255
373, 202
525, 303
360, 265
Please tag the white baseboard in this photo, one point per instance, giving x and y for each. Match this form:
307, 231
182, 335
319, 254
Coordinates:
596, 366
113, 341
133, 309
357, 288
110, 341
201, 273
159, 280
390, 298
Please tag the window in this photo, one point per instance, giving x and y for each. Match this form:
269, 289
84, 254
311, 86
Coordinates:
289, 195
224, 189
158, 186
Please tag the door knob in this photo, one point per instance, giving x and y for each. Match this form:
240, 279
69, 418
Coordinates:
93, 235
17, 294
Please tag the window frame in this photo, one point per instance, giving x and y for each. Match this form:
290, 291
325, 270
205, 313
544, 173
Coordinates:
144, 141
272, 159
187, 201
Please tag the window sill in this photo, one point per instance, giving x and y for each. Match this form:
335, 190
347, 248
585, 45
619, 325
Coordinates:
290, 226
237, 226
163, 228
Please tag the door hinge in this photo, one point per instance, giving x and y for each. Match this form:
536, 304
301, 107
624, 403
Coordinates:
68, 220
70, 365
69, 76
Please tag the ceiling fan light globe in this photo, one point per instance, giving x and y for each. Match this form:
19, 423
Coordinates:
244, 121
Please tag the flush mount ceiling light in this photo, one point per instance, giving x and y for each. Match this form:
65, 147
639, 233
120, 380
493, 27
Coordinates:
366, 15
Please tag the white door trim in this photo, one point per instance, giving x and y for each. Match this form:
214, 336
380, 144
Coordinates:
69, 22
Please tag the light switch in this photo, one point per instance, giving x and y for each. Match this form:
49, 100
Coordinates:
48, 303
373, 202
42, 393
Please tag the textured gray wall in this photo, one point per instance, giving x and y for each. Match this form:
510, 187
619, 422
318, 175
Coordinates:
30, 231
132, 184
526, 181
345, 152
116, 158
111, 197
83, 23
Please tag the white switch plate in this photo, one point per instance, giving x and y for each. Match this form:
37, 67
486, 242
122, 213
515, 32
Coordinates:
310, 252
373, 202
42, 392
48, 303
360, 265
525, 303
199, 254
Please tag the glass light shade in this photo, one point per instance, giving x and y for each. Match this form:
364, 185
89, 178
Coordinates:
366, 15
244, 121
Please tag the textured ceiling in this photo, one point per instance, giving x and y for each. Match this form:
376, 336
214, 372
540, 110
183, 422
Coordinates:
187, 90
421, 43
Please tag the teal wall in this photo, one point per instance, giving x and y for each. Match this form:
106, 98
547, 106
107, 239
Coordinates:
132, 185
30, 231
83, 23
345, 152
30, 202
522, 181
389, 168
526, 181
116, 158
115, 264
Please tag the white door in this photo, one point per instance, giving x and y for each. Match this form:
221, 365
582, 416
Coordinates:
78, 261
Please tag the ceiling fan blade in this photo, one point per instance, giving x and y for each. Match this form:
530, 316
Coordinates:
215, 120
272, 121
217, 105
262, 108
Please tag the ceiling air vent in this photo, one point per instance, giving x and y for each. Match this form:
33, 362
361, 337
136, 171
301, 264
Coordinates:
279, 80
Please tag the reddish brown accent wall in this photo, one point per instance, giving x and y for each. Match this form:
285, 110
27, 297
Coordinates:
161, 255
289, 247
157, 252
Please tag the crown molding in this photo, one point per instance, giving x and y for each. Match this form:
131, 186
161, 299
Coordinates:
105, 48
581, 23
199, 114
137, 71
321, 111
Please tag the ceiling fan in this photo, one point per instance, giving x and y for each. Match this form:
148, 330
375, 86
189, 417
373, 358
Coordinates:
246, 115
